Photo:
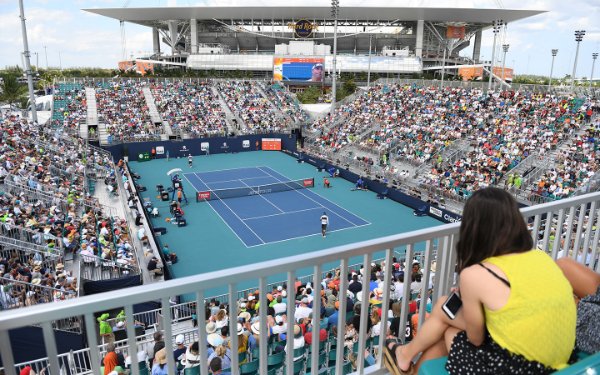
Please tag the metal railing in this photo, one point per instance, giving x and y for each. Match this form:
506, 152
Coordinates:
567, 227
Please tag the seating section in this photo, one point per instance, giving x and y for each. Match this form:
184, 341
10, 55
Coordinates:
69, 105
575, 165
518, 125
46, 207
415, 122
190, 108
123, 109
245, 100
286, 103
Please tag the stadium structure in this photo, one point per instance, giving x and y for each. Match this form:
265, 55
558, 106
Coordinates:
388, 40
78, 285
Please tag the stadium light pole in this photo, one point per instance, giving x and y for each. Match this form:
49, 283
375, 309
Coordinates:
46, 53
443, 64
505, 49
496, 29
594, 57
578, 38
554, 53
369, 68
27, 63
335, 7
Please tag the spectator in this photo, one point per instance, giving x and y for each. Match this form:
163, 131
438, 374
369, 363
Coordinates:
495, 261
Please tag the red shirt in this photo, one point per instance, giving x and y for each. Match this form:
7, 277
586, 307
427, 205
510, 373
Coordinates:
322, 336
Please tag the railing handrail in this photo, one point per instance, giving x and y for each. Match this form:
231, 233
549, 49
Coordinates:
189, 284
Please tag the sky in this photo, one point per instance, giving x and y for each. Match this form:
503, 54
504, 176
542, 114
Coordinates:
62, 35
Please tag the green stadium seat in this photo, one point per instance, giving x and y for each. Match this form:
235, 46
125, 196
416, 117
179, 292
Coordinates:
192, 371
275, 361
434, 367
298, 366
587, 366
321, 362
249, 368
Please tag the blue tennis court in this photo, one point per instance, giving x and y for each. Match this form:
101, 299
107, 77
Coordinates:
266, 218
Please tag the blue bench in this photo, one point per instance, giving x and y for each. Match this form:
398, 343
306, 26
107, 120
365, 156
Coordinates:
438, 366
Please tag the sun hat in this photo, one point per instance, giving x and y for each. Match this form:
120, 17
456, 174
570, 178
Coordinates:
211, 328
214, 339
240, 329
256, 328
246, 315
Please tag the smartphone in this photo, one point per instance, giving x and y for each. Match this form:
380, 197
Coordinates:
452, 305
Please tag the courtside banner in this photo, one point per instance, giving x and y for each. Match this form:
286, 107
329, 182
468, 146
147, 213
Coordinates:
309, 182
203, 196
271, 144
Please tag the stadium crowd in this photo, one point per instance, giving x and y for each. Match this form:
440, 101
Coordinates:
45, 203
123, 108
245, 100
190, 108
219, 337
287, 104
70, 105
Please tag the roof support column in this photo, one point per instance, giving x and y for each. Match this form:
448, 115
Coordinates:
477, 46
173, 35
155, 41
419, 42
194, 35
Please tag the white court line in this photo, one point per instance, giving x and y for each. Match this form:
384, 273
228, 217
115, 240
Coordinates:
330, 210
322, 197
260, 195
282, 213
230, 169
237, 179
223, 219
310, 235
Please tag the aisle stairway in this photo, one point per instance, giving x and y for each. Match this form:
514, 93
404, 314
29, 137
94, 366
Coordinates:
229, 115
154, 115
92, 113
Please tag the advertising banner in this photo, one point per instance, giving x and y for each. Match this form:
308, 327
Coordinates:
468, 74
311, 69
271, 144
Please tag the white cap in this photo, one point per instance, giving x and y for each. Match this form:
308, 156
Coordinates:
179, 339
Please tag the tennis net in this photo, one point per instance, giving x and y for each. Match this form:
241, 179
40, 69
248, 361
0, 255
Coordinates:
276, 187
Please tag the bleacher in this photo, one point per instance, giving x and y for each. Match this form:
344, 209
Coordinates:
69, 105
122, 108
47, 208
334, 355
59, 187
190, 108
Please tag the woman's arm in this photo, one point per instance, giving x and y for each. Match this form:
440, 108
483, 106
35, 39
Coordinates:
470, 289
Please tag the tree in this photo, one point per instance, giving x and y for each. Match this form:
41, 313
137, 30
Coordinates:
310, 95
12, 90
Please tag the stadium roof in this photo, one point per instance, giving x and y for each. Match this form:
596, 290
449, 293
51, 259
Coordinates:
148, 16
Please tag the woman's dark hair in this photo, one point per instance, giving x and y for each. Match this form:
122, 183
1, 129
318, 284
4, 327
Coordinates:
491, 225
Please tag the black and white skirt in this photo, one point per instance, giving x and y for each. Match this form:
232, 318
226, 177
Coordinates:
489, 358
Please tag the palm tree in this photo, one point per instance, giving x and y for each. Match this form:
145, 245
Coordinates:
11, 90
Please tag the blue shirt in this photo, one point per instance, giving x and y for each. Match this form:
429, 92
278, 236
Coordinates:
156, 370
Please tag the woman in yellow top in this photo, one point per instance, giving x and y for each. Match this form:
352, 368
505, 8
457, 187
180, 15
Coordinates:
517, 314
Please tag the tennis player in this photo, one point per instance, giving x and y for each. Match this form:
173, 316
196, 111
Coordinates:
190, 160
324, 223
